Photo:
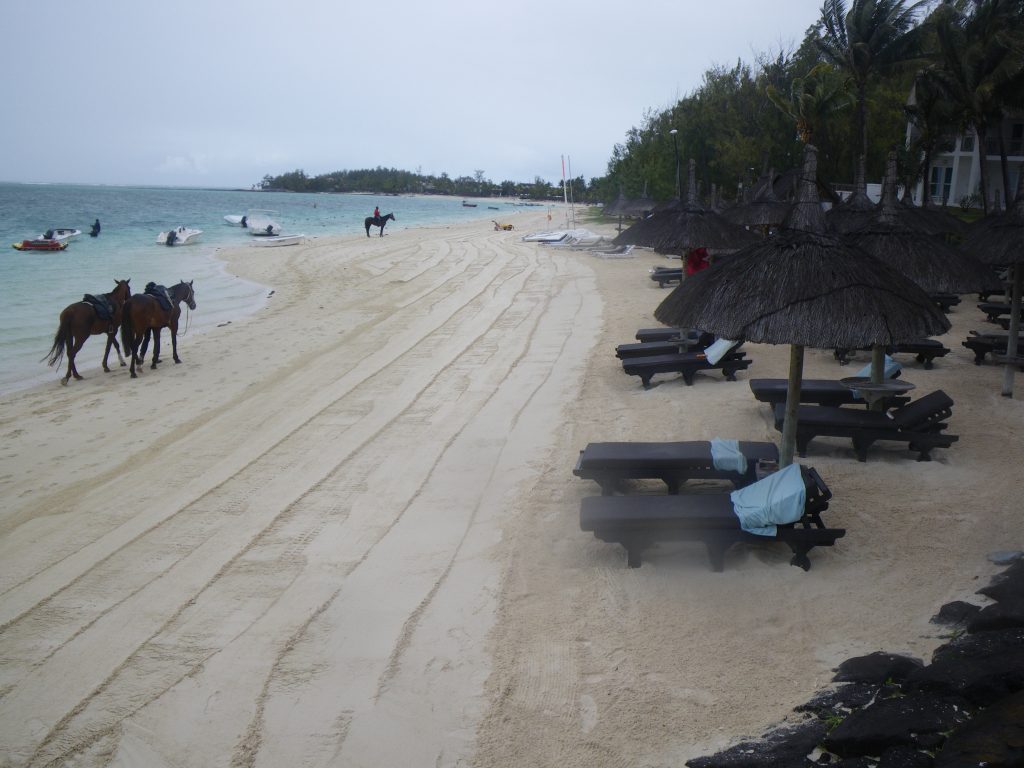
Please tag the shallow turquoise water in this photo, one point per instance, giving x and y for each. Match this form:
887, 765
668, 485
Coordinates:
36, 286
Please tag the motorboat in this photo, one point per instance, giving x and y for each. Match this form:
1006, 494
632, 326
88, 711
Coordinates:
60, 233
40, 244
271, 241
179, 236
236, 220
263, 223
468, 205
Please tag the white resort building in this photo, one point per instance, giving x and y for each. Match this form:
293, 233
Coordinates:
954, 177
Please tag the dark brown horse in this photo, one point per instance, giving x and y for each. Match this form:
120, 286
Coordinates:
144, 314
378, 221
79, 321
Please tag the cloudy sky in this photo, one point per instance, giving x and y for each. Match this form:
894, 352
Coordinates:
220, 93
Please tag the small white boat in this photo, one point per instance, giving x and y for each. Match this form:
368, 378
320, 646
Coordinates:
179, 236
60, 234
236, 220
263, 223
547, 237
272, 241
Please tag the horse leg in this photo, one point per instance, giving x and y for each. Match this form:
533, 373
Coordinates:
156, 348
74, 346
68, 347
367, 230
144, 346
117, 348
132, 346
106, 352
174, 343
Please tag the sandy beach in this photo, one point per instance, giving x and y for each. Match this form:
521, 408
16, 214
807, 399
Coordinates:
345, 530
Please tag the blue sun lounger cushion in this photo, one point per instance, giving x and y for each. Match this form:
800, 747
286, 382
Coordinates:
892, 369
774, 500
727, 456
717, 349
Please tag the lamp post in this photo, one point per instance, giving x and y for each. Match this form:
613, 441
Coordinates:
675, 148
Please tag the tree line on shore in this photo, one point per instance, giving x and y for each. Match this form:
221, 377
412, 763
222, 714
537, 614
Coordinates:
394, 181
862, 72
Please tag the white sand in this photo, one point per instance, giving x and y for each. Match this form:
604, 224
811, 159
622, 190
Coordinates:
345, 531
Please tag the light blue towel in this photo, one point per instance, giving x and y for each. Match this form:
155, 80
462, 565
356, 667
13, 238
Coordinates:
717, 349
774, 500
726, 455
891, 370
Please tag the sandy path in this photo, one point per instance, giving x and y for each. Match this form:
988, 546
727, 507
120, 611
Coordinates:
345, 531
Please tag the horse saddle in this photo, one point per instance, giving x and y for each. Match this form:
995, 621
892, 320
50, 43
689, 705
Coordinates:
159, 292
101, 304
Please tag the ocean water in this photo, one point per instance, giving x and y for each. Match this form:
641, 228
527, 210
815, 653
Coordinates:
35, 286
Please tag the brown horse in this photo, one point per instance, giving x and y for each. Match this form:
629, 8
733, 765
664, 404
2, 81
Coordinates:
79, 321
143, 314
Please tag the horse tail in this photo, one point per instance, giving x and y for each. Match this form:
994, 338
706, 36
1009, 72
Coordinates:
127, 332
60, 340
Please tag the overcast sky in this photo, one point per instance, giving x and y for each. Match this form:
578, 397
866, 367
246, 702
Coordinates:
219, 93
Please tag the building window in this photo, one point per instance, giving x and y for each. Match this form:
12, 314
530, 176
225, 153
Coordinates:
941, 181
967, 143
1016, 139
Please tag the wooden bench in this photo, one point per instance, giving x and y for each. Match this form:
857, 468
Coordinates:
663, 275
687, 364
924, 351
639, 522
920, 424
672, 462
982, 344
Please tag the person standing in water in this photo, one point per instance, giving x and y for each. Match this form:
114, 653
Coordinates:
95, 231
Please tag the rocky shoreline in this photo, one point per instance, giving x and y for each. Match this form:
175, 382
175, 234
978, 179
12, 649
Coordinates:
964, 708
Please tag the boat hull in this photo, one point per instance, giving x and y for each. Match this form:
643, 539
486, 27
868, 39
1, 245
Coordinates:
39, 245
276, 241
182, 236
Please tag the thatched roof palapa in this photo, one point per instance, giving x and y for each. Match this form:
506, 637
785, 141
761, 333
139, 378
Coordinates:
895, 238
765, 210
856, 210
804, 287
1002, 243
680, 228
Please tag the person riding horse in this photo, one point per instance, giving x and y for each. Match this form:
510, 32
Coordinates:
377, 221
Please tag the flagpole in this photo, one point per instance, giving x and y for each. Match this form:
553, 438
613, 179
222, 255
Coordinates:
572, 201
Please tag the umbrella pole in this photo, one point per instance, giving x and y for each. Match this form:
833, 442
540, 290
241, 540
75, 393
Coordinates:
877, 364
1011, 341
877, 372
796, 375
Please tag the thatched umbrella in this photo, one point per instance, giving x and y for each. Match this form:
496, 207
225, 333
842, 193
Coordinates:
856, 210
679, 229
618, 207
929, 219
1002, 244
764, 211
898, 241
803, 287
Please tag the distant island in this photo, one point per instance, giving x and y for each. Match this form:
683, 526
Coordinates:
392, 181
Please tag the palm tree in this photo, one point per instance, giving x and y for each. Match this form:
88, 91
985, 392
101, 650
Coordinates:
980, 67
811, 100
934, 120
870, 38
